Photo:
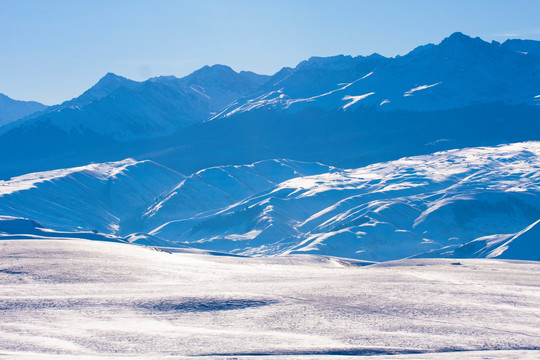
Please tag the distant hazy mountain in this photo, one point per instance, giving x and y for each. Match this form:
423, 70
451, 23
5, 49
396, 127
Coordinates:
104, 87
123, 109
11, 110
526, 47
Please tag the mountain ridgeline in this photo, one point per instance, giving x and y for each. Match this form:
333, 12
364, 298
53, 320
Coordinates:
345, 111
11, 110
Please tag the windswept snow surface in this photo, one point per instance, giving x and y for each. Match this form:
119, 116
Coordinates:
380, 212
102, 197
221, 186
136, 196
523, 245
78, 299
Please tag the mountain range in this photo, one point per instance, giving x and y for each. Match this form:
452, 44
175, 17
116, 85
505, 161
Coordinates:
124, 109
433, 154
459, 72
345, 111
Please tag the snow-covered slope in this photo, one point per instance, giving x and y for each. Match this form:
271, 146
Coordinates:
11, 110
523, 245
221, 186
133, 196
458, 72
103, 197
380, 212
21, 228
474, 202
17, 228
458, 203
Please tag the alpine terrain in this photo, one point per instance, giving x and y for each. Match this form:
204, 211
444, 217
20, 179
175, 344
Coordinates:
346, 206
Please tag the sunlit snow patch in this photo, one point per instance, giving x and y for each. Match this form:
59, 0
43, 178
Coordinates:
278, 98
418, 88
28, 181
354, 99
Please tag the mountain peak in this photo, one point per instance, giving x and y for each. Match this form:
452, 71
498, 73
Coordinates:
215, 74
226, 78
214, 70
106, 85
111, 77
463, 46
460, 39
330, 62
458, 35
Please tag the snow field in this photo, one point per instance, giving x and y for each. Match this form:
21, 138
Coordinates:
89, 299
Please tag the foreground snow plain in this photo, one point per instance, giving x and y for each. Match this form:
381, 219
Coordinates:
80, 299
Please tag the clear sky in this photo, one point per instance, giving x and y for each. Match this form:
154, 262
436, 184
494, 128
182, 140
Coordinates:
53, 50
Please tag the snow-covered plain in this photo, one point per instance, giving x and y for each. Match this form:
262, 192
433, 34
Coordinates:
75, 299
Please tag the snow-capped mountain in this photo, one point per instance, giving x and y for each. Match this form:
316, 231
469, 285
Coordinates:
382, 211
458, 72
11, 110
344, 111
103, 88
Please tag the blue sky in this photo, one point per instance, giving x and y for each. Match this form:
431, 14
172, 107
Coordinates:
54, 50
